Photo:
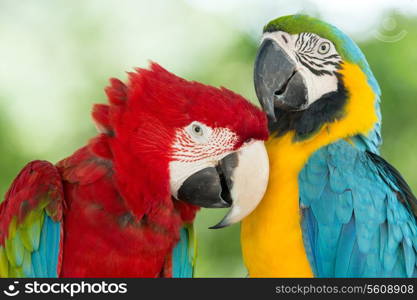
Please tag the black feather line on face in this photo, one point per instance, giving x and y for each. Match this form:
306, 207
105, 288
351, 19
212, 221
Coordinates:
305, 123
303, 43
312, 70
311, 62
332, 56
331, 63
313, 57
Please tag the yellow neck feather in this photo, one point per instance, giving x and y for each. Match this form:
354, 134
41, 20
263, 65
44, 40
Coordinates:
271, 236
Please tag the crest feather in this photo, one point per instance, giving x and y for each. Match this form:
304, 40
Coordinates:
116, 92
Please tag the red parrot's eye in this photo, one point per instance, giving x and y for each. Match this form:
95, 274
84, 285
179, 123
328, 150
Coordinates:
197, 130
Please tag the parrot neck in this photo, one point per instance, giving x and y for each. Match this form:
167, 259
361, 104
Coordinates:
272, 241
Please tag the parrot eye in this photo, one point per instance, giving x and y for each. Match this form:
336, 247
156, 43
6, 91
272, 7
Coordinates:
197, 130
324, 48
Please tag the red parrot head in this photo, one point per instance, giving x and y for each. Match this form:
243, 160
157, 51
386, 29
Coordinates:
169, 137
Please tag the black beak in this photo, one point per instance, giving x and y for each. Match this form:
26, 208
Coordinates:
278, 84
210, 187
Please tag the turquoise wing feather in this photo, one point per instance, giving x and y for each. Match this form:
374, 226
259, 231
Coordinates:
183, 256
358, 215
31, 223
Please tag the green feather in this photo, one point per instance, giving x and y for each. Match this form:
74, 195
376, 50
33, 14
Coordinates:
15, 272
296, 24
14, 249
27, 264
192, 242
26, 238
12, 226
4, 263
8, 243
30, 230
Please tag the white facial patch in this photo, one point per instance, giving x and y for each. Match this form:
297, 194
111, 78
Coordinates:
250, 180
196, 147
316, 59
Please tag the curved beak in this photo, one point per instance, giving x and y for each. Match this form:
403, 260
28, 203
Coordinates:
278, 84
248, 182
238, 180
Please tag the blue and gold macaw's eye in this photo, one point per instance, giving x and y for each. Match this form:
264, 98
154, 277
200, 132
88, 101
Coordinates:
324, 48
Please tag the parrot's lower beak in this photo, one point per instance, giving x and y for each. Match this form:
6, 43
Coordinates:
208, 187
239, 181
278, 84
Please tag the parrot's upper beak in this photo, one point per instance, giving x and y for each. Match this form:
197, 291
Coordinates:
278, 84
239, 181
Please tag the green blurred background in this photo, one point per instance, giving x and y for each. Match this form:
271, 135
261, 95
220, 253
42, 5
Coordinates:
56, 57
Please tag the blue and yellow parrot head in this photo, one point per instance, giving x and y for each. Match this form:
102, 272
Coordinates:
308, 74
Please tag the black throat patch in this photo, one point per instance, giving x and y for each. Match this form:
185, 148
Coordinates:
327, 109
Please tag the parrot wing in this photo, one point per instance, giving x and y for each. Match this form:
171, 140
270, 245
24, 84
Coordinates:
184, 254
31, 223
358, 215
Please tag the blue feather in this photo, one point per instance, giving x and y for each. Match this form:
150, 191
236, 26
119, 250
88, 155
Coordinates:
181, 257
345, 249
356, 263
344, 207
410, 259
353, 222
52, 241
309, 225
45, 259
39, 270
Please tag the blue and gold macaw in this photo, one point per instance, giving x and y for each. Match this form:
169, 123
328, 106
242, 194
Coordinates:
333, 207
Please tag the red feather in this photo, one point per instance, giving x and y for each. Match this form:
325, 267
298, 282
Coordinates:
37, 180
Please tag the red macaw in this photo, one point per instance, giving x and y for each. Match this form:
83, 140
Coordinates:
120, 206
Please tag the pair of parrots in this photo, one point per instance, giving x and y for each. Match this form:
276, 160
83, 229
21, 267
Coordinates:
317, 201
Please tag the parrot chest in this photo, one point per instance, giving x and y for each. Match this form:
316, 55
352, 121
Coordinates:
99, 243
271, 236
